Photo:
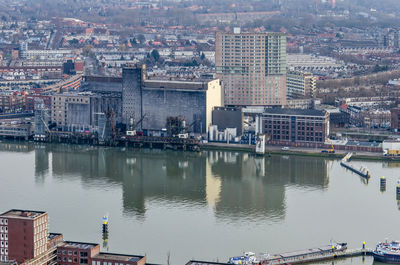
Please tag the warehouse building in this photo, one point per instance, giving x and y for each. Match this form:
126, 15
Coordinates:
153, 101
295, 126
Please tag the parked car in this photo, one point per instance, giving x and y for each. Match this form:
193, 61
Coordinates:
285, 148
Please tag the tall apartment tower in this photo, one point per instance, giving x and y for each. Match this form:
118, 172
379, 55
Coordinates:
252, 67
23, 235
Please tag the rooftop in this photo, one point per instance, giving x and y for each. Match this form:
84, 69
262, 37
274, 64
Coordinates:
295, 112
80, 245
177, 84
199, 262
15, 213
119, 257
54, 235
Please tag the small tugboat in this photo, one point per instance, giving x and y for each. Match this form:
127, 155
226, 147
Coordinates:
247, 259
387, 252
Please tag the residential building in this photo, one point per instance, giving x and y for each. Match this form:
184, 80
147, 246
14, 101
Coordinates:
295, 126
300, 84
252, 67
24, 238
23, 235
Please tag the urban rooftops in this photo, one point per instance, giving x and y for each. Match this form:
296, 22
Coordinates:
119, 257
16, 213
295, 112
176, 85
79, 245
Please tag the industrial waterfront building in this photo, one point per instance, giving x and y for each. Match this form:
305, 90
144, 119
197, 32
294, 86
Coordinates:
153, 101
300, 127
25, 239
252, 67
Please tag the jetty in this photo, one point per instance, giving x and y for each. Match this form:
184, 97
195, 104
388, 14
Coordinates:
312, 255
328, 252
363, 171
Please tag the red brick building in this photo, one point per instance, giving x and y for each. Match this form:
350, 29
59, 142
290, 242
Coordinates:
80, 253
24, 238
23, 235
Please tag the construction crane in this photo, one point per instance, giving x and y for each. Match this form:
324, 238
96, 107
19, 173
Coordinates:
330, 151
132, 129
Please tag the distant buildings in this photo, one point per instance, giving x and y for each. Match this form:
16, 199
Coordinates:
252, 67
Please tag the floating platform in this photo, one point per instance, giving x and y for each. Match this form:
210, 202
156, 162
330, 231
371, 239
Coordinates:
363, 172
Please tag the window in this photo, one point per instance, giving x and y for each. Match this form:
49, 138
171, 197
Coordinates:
75, 260
69, 252
84, 254
84, 261
75, 253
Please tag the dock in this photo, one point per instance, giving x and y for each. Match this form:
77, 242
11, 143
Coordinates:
328, 252
313, 255
363, 172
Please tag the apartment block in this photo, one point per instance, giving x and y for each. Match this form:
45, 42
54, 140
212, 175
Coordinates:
300, 84
252, 67
23, 235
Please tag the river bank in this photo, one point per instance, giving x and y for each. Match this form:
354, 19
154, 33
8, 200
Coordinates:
310, 152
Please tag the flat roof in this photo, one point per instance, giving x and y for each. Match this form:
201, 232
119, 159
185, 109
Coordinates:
200, 262
176, 85
17, 213
54, 235
80, 245
302, 112
115, 256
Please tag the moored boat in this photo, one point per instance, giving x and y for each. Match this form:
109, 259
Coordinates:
387, 252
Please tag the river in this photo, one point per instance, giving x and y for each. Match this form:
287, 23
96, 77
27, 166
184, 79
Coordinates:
205, 206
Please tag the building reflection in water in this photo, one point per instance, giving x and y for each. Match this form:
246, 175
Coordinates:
234, 185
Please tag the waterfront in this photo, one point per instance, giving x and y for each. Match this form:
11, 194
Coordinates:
208, 205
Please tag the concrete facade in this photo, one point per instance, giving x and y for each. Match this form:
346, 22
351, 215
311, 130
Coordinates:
72, 111
156, 100
252, 67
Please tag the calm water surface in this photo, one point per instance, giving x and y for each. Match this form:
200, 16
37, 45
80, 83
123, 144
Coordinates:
208, 206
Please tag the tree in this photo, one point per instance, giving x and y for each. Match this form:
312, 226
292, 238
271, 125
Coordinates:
155, 54
141, 38
202, 56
